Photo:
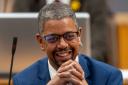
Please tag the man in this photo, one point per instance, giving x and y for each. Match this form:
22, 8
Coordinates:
59, 38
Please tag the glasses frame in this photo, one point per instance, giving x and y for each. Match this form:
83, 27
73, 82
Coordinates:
60, 36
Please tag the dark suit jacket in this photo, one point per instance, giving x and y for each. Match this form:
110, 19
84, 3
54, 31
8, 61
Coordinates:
96, 73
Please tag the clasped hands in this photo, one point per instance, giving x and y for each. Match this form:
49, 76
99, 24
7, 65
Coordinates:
69, 73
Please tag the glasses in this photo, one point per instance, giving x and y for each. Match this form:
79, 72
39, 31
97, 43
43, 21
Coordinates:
53, 38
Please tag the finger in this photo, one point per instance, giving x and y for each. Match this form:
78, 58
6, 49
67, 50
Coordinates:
67, 63
66, 68
65, 74
68, 74
72, 73
68, 77
75, 81
56, 80
84, 82
77, 74
78, 67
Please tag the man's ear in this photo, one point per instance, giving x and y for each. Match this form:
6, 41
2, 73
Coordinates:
40, 41
80, 31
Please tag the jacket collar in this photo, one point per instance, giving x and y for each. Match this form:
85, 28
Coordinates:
43, 71
84, 65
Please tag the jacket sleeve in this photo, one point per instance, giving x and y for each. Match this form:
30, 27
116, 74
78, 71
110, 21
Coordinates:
115, 78
15, 81
19, 81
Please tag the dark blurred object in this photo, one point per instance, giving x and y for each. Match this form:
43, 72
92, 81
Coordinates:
6, 5
100, 18
101, 25
28, 5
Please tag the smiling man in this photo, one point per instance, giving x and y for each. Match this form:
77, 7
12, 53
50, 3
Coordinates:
59, 37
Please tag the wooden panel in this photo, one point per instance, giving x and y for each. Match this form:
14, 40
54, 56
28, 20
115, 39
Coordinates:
4, 82
123, 45
122, 38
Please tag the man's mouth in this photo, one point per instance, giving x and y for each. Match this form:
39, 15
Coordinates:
63, 55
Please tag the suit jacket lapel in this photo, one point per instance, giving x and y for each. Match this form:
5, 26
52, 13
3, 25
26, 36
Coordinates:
43, 73
84, 66
84, 62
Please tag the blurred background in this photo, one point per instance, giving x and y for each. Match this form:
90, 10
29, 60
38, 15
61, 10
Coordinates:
108, 28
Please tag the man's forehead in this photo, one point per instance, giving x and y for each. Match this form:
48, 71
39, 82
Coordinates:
60, 19
65, 20
56, 25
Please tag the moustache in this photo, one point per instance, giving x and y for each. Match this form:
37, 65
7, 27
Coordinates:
58, 50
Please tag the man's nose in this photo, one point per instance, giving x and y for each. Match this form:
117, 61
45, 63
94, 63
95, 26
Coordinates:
62, 43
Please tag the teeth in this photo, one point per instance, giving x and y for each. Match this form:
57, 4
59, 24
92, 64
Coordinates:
63, 53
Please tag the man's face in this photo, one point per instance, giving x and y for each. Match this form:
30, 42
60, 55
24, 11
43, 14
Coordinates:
63, 47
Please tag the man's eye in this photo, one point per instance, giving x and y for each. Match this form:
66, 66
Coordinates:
70, 36
51, 39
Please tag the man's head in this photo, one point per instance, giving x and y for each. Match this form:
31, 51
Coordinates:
59, 35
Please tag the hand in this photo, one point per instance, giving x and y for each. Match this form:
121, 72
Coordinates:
72, 71
69, 72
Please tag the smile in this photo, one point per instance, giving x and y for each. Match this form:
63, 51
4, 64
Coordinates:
62, 56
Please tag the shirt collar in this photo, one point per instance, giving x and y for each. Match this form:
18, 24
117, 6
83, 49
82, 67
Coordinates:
52, 71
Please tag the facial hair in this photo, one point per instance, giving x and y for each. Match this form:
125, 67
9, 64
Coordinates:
62, 50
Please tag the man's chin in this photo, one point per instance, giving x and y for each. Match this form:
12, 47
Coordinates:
63, 61
60, 63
